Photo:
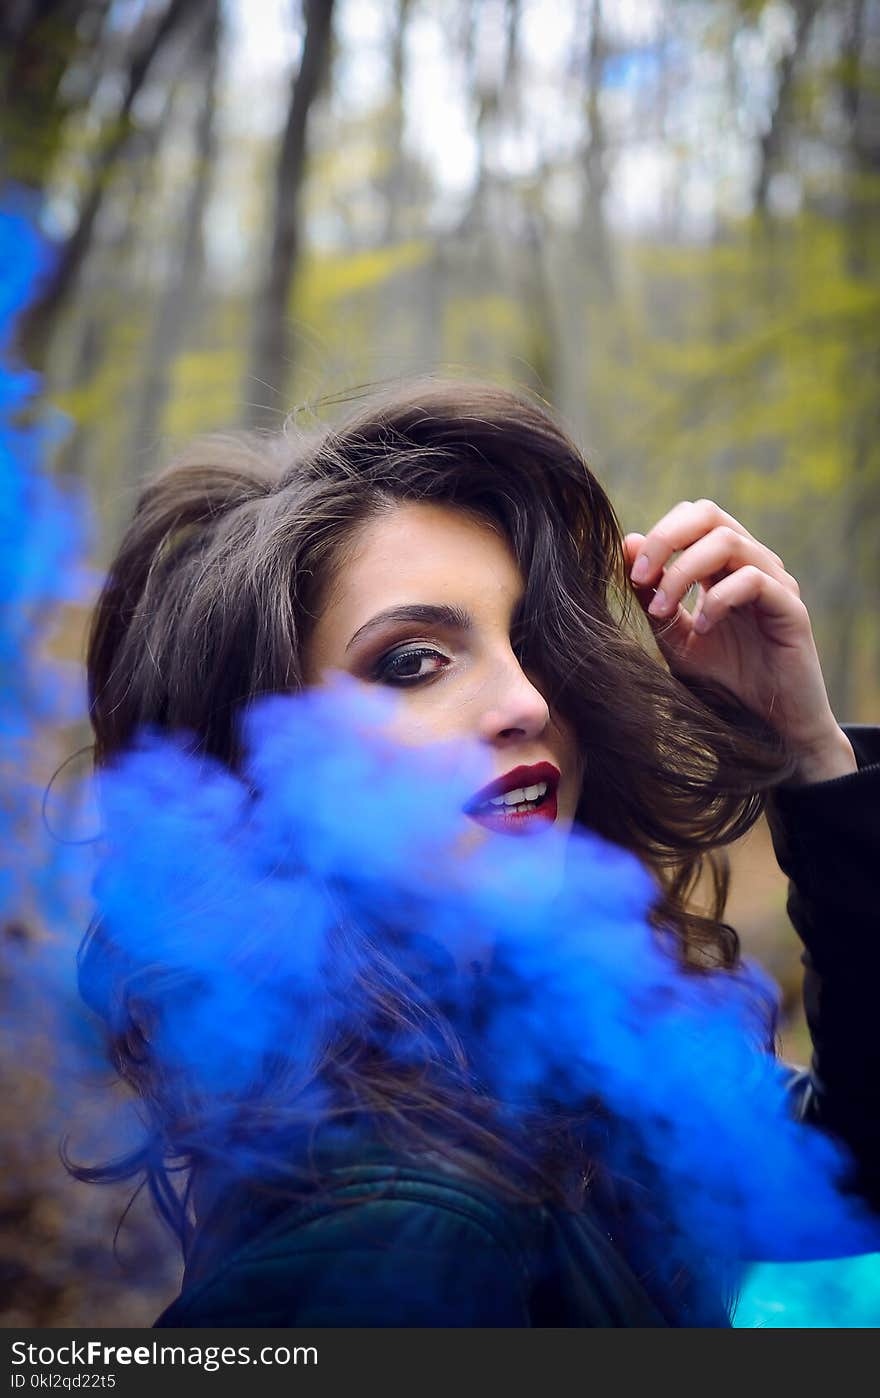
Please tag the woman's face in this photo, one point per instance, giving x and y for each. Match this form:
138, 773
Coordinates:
426, 603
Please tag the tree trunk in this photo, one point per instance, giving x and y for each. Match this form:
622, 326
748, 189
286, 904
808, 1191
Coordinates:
40, 321
178, 298
92, 317
583, 285
271, 360
38, 43
594, 235
395, 181
856, 575
774, 137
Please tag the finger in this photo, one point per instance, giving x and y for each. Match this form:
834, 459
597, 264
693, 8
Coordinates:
631, 547
631, 544
719, 551
686, 522
752, 585
670, 632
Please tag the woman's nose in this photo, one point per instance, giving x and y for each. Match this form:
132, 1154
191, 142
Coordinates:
516, 709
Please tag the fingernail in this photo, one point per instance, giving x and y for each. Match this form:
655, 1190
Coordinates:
659, 603
701, 623
641, 568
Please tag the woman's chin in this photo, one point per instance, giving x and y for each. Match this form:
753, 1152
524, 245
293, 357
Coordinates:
481, 849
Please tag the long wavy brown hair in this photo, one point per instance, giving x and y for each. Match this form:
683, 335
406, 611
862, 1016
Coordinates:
209, 602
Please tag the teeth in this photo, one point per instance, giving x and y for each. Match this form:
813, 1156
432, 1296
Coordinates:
520, 795
521, 808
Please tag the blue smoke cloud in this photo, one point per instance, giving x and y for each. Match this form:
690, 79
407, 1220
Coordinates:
236, 886
232, 891
42, 544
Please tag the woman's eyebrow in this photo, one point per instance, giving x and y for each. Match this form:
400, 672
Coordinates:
421, 612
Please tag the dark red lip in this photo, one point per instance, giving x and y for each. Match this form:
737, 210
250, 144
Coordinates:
508, 822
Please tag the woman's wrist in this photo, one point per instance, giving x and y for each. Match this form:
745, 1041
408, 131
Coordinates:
832, 757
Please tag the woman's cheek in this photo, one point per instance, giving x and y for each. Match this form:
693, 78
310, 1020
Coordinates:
422, 719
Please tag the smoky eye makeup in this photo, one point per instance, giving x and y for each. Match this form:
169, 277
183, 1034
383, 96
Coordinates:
409, 664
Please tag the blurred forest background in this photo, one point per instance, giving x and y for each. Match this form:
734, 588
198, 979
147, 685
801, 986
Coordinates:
659, 215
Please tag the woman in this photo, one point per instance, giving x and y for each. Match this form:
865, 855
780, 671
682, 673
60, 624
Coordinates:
449, 543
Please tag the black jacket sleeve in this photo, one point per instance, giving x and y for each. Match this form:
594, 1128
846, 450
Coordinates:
827, 840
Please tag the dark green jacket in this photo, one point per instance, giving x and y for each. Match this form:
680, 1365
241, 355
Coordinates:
397, 1245
409, 1244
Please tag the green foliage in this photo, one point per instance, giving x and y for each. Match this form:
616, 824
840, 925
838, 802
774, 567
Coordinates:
750, 360
205, 388
324, 280
485, 329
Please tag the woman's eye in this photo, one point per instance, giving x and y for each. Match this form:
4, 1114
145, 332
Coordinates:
409, 666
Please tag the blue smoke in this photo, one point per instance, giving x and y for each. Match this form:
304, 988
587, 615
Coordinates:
236, 886
223, 899
42, 543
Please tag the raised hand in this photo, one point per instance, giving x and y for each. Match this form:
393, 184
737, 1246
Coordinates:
749, 628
